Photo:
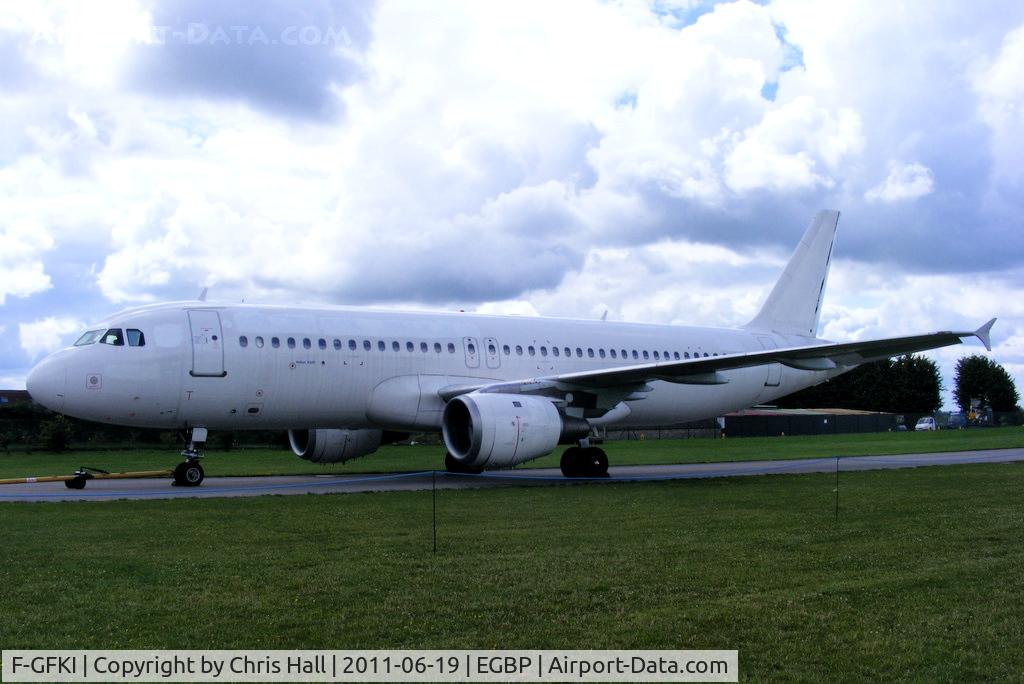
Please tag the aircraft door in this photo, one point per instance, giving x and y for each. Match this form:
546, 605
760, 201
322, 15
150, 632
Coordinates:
491, 350
207, 343
774, 369
472, 349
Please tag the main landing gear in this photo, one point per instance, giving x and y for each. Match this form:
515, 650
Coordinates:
584, 461
189, 473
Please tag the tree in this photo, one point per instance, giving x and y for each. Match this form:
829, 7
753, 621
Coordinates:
909, 384
979, 377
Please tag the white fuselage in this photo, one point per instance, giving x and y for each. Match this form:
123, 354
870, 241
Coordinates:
243, 367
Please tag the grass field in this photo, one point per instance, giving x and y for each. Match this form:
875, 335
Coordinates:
920, 578
407, 458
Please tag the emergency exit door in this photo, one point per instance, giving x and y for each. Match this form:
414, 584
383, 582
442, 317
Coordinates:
207, 344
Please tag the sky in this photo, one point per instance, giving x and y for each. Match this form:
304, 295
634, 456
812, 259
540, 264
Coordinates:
658, 159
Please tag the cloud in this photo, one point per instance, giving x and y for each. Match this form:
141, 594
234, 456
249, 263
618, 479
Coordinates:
579, 156
794, 147
286, 58
904, 182
21, 267
47, 334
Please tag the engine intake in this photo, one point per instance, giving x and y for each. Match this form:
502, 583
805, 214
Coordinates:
501, 430
333, 446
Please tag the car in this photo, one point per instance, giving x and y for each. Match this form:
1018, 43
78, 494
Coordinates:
926, 423
957, 421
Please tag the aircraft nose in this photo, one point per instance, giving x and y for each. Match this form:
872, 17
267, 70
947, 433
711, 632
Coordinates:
47, 384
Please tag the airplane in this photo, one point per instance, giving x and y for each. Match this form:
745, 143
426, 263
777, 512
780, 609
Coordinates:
501, 390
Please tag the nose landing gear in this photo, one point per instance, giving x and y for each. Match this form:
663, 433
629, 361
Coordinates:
189, 473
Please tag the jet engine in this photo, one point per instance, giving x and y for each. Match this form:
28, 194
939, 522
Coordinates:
333, 446
500, 430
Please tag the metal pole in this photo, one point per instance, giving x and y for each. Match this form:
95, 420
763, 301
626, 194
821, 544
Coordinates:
837, 487
433, 489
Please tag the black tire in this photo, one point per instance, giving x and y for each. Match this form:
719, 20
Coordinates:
570, 462
454, 465
189, 474
76, 483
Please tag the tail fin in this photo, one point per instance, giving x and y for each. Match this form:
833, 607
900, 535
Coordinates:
794, 305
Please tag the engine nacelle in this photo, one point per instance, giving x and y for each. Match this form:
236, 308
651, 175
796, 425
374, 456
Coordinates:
333, 446
500, 430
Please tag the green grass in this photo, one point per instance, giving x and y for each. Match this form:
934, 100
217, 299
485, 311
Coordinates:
411, 458
919, 579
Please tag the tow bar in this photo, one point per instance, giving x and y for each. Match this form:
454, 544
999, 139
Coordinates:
84, 474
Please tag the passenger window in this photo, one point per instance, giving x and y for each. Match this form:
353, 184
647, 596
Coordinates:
366, 345
491, 349
322, 343
624, 354
451, 347
507, 350
275, 342
89, 338
675, 355
635, 354
531, 351
646, 355
612, 352
381, 346
243, 341
306, 344
686, 355
337, 345
113, 337
657, 356
554, 350
437, 347
666, 356
519, 350
590, 352
291, 343
579, 352
395, 346
424, 348
705, 355
352, 345
409, 346
543, 351
135, 338
471, 348
259, 342
600, 352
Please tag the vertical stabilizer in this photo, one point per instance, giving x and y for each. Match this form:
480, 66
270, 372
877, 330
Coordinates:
794, 305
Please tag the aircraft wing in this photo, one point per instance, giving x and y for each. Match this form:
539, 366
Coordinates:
707, 370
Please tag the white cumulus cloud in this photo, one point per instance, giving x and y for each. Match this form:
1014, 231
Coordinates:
904, 182
47, 334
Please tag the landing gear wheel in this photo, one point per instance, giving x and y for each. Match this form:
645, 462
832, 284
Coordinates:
570, 462
189, 474
76, 483
597, 462
454, 465
584, 462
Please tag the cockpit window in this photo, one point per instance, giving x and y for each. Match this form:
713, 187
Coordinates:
89, 338
113, 337
135, 338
